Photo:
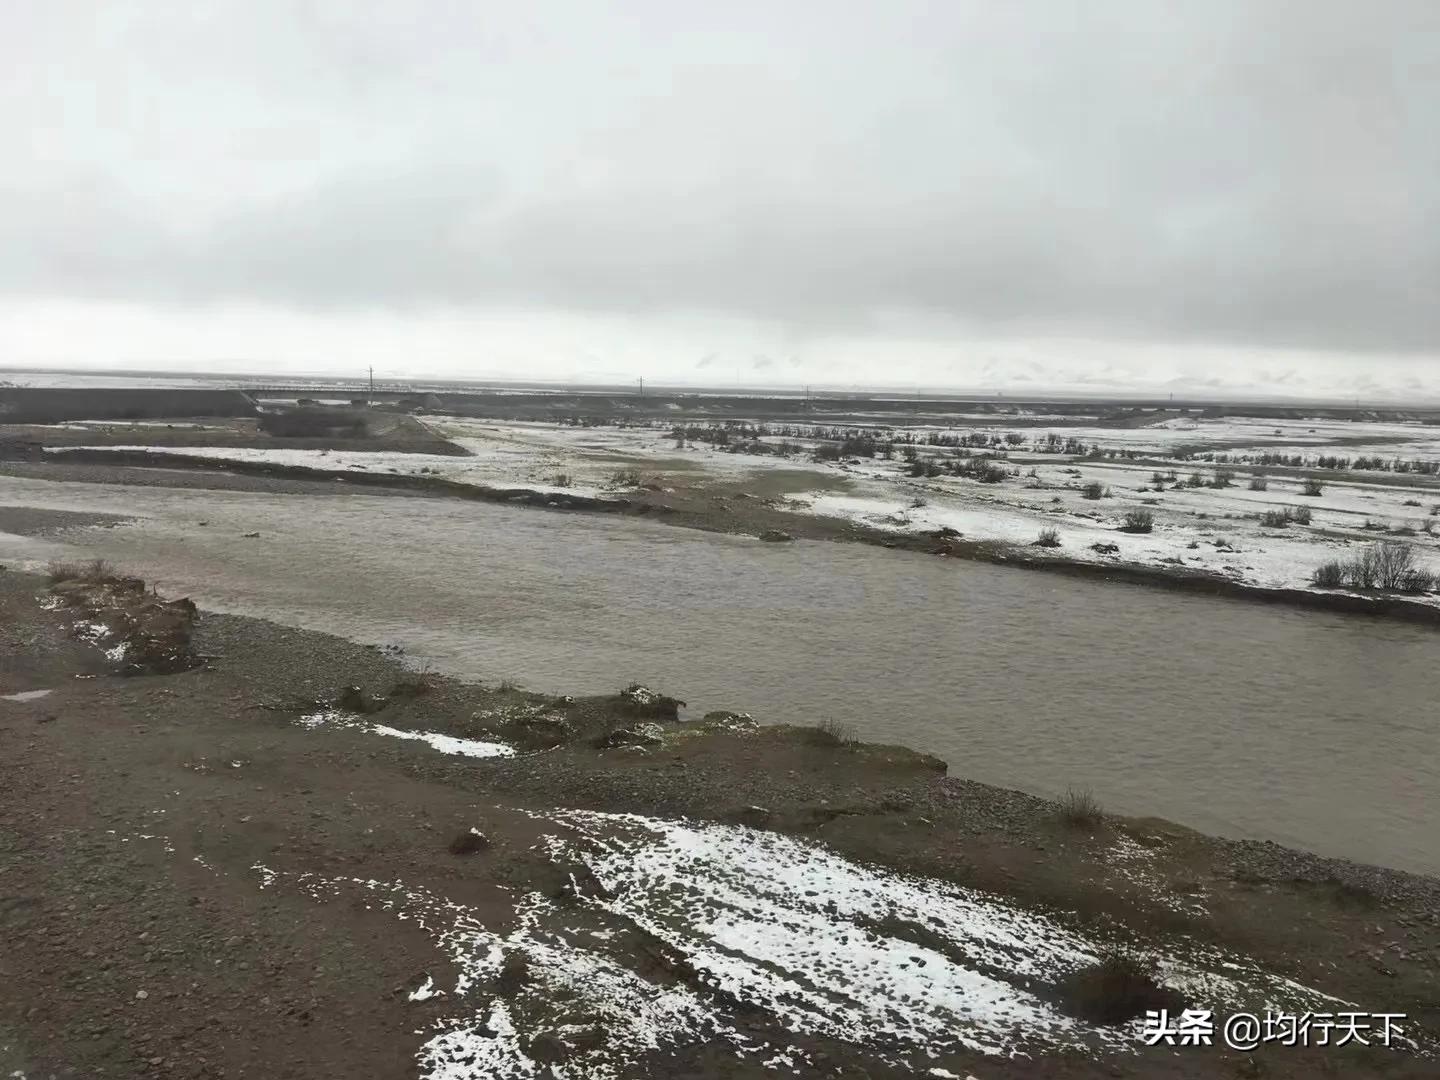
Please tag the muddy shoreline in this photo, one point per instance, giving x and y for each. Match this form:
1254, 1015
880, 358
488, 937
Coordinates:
141, 805
719, 510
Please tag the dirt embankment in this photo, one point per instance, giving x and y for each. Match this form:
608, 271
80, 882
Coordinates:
431, 485
51, 405
353, 430
193, 868
138, 632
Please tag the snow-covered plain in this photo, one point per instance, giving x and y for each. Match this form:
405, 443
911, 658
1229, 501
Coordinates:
1229, 433
1200, 528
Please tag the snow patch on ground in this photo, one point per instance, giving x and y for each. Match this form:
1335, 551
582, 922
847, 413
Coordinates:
425, 991
26, 695
1136, 863
97, 633
909, 969
446, 744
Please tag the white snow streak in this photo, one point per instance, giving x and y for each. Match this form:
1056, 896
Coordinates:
446, 744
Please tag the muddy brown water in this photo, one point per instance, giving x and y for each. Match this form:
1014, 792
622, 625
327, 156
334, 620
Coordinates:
1312, 729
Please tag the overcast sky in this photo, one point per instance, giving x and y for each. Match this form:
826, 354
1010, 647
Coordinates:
974, 194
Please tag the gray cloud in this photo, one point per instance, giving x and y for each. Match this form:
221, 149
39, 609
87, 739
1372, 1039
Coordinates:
1241, 171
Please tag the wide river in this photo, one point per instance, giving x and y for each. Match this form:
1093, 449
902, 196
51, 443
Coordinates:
1319, 731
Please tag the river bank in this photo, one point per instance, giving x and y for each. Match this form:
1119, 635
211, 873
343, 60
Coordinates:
189, 857
1242, 720
730, 508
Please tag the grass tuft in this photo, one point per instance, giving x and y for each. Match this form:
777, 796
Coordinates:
625, 478
1278, 519
833, 733
1078, 808
93, 572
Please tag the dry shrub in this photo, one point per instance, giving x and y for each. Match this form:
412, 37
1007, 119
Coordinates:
833, 733
1123, 985
1389, 566
1138, 521
93, 572
1078, 807
1395, 569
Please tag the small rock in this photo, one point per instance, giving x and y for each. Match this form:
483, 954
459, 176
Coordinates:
643, 701
638, 735
547, 1048
724, 720
355, 699
757, 817
469, 842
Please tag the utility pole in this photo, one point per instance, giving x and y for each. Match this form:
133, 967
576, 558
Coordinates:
371, 395
642, 385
